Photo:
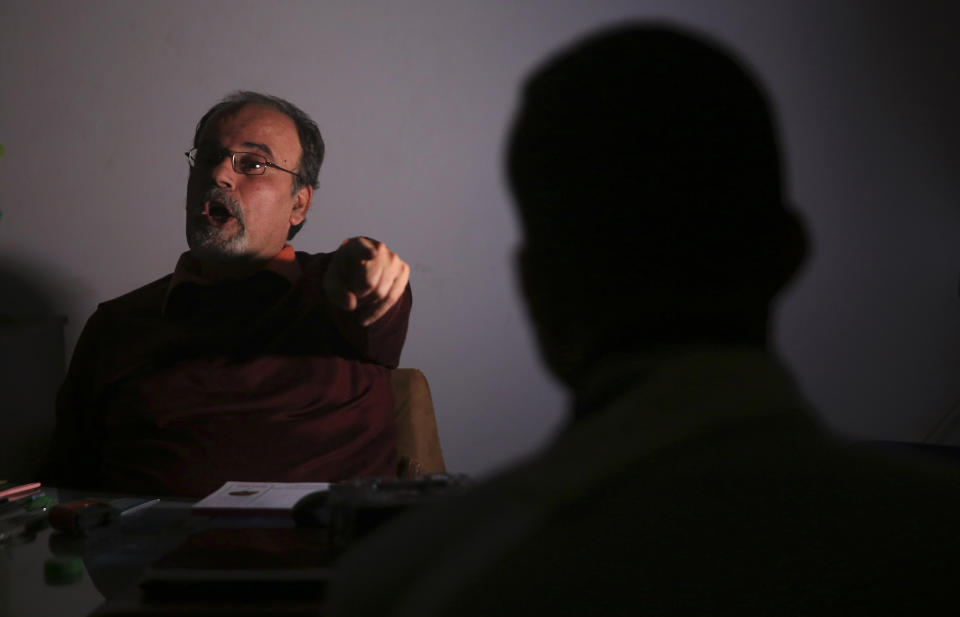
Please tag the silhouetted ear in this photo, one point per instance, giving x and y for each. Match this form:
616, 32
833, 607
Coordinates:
554, 312
531, 288
793, 245
539, 286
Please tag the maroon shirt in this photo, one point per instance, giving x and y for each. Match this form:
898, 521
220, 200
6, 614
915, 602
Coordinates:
253, 380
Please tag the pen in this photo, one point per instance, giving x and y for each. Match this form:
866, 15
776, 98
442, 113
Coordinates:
13, 492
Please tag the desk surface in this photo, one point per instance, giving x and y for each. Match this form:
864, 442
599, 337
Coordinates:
114, 560
24, 591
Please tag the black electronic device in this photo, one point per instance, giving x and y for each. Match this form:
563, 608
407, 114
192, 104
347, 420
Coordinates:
310, 510
351, 509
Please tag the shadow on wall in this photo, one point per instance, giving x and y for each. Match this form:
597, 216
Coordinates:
31, 369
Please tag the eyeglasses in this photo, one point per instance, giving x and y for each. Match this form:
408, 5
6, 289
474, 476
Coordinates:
248, 163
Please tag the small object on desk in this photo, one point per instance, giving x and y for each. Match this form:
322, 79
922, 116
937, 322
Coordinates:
355, 508
130, 505
256, 498
12, 493
38, 503
311, 510
28, 518
62, 570
78, 517
20, 502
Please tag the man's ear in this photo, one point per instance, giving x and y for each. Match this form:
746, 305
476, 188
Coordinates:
793, 244
556, 330
301, 204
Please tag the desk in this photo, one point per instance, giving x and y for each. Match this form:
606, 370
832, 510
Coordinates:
110, 560
114, 559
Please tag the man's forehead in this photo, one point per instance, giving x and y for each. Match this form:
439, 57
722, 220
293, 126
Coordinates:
254, 126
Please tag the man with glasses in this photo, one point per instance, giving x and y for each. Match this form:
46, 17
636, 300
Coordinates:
251, 361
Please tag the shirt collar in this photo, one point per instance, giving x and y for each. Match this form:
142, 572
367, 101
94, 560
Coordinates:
677, 398
188, 270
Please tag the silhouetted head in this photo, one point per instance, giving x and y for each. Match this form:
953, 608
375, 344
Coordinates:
646, 171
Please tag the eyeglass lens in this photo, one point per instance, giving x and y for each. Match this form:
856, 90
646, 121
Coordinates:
243, 162
249, 163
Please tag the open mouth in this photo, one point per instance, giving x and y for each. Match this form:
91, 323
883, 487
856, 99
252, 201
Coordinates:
217, 213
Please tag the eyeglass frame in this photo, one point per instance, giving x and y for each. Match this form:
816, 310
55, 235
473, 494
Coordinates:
192, 160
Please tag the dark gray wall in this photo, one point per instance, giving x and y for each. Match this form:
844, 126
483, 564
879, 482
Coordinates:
99, 100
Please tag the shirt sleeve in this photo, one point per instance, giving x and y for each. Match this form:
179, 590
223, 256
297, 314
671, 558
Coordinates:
382, 341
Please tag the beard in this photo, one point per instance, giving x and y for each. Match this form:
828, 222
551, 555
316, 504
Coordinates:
215, 228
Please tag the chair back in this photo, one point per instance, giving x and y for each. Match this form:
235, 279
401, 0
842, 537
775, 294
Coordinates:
418, 442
